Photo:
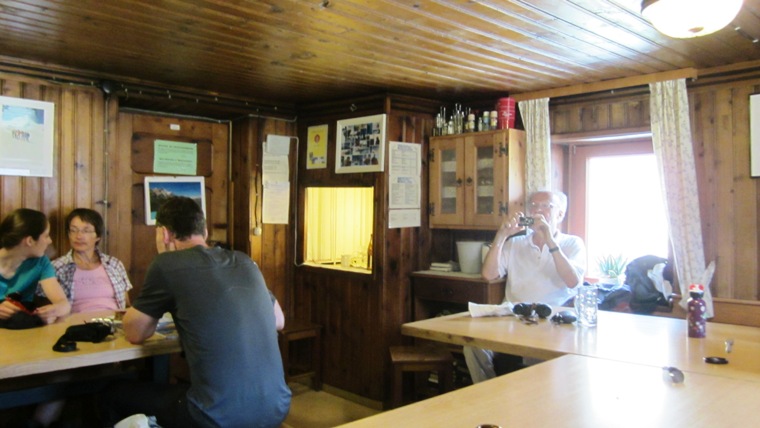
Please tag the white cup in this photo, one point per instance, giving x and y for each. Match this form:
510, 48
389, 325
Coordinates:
345, 260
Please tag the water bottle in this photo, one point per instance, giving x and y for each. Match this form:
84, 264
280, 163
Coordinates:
696, 309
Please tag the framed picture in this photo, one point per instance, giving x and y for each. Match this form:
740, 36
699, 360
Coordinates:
360, 144
159, 189
26, 137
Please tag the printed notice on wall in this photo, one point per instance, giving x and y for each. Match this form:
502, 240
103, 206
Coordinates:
26, 137
275, 172
316, 147
403, 218
276, 202
174, 157
404, 194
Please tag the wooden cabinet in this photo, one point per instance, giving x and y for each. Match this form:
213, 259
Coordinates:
476, 178
435, 292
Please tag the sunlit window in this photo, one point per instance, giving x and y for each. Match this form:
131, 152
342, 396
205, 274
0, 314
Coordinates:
338, 226
625, 214
616, 202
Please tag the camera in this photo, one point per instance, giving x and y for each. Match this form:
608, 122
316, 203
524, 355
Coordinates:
525, 221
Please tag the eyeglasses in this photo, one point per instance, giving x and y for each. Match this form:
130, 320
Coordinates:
543, 205
74, 232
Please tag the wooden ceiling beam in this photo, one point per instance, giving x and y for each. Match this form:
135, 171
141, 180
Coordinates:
607, 85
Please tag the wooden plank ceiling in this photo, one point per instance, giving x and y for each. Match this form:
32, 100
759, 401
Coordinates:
297, 51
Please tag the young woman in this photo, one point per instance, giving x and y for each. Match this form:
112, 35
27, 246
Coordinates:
24, 236
91, 279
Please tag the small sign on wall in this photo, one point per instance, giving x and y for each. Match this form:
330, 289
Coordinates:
174, 157
316, 147
754, 134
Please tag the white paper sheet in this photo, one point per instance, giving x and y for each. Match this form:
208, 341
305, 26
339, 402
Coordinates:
276, 202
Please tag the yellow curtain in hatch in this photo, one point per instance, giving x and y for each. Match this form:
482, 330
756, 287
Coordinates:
338, 222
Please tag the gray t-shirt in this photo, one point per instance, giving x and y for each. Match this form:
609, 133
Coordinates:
225, 320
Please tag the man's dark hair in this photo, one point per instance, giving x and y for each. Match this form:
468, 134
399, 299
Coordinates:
182, 216
88, 216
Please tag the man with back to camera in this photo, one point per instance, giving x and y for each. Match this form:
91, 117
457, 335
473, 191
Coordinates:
224, 316
542, 266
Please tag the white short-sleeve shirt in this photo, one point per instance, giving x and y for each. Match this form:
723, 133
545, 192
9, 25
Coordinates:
531, 274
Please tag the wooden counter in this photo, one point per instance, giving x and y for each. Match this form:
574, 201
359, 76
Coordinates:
434, 292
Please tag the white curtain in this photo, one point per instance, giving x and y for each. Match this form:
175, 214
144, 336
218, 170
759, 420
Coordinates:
671, 138
535, 116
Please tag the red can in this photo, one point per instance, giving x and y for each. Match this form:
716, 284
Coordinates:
506, 109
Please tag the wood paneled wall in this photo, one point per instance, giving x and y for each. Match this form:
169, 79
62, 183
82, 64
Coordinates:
78, 172
729, 197
271, 250
362, 314
133, 158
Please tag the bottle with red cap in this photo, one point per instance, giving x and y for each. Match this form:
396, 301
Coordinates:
697, 311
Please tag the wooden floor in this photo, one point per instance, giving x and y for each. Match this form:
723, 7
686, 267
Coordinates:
320, 409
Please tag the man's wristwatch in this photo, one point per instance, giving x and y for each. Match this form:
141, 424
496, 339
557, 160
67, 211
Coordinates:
554, 250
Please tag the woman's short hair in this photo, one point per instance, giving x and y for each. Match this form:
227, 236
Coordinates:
19, 224
88, 216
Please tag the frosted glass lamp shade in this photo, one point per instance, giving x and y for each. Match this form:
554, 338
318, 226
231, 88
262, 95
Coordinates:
689, 18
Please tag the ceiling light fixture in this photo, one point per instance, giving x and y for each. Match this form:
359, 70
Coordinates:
689, 18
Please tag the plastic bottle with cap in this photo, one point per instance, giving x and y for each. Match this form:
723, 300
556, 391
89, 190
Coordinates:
697, 310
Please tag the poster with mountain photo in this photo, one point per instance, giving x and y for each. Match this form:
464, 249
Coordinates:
26, 137
159, 189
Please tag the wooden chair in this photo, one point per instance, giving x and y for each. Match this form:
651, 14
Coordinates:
423, 358
296, 330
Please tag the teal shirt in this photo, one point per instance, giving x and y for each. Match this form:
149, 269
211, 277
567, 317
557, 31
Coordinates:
27, 277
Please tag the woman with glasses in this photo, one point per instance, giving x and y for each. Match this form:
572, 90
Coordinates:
92, 280
24, 267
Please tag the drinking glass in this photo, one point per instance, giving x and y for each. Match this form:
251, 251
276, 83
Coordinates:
586, 305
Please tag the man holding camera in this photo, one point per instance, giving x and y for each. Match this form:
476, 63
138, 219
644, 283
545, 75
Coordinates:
542, 264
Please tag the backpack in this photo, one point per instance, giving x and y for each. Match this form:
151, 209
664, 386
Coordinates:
645, 297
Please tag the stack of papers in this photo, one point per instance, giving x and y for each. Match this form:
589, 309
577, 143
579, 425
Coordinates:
450, 266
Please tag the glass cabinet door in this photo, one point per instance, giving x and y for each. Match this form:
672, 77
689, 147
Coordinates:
485, 175
446, 182
450, 182
484, 180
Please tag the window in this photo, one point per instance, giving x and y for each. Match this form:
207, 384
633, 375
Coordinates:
338, 226
616, 202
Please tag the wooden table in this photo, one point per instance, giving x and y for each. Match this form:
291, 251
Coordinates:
578, 391
639, 339
27, 352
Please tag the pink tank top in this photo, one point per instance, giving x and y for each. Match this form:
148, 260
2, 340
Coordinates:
93, 291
